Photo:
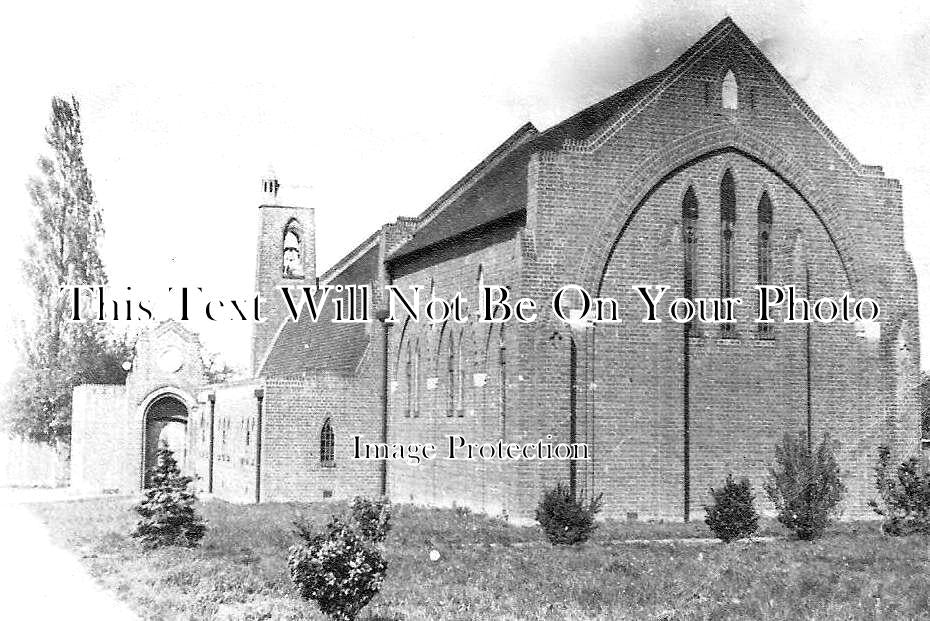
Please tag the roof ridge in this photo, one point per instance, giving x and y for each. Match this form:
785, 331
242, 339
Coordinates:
475, 173
512, 141
668, 74
350, 257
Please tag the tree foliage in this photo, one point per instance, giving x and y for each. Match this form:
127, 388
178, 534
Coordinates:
340, 568
167, 514
732, 515
566, 519
905, 495
372, 516
56, 355
805, 485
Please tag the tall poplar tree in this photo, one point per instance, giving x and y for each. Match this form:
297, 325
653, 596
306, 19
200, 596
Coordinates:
56, 354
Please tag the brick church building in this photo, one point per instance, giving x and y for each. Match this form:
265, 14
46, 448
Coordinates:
710, 176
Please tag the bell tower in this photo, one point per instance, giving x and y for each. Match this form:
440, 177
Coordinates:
285, 256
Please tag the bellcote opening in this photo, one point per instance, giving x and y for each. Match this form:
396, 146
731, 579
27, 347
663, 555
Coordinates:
291, 264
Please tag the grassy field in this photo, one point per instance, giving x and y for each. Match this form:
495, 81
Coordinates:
492, 570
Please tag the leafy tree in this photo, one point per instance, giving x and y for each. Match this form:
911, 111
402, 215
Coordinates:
905, 495
56, 355
339, 568
167, 514
218, 370
565, 519
805, 485
732, 515
372, 517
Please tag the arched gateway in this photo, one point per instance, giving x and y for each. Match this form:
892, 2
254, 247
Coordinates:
165, 421
116, 430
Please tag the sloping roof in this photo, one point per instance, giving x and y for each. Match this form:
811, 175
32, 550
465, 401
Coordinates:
500, 187
582, 125
303, 347
490, 194
491, 190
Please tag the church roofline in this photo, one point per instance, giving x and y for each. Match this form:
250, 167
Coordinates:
345, 262
584, 131
661, 80
524, 132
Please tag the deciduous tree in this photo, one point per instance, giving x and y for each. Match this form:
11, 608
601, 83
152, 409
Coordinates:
56, 355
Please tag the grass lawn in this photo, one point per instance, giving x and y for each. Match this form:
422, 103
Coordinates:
491, 570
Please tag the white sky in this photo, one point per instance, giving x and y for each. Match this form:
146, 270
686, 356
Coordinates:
373, 111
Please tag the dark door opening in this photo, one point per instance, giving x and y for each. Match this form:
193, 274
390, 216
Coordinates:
165, 423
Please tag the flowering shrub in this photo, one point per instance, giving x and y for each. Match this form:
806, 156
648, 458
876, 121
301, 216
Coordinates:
805, 485
732, 516
338, 569
905, 495
373, 517
167, 507
565, 519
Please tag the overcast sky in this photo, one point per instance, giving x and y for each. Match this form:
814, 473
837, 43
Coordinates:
370, 111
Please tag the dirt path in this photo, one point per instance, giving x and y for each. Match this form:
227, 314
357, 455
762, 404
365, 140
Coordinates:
39, 580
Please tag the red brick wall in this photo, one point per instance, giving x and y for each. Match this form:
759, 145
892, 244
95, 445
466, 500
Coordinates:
294, 414
235, 440
476, 415
624, 194
606, 214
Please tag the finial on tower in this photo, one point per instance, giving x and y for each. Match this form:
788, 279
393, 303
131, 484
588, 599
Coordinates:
270, 187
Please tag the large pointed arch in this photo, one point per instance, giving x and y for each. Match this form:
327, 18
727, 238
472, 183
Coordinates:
697, 147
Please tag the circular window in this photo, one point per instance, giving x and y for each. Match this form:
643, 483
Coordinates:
171, 360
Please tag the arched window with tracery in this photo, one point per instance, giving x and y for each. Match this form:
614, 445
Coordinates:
727, 223
729, 92
689, 220
765, 250
327, 445
291, 265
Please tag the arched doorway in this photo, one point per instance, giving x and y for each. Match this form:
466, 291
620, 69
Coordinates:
165, 423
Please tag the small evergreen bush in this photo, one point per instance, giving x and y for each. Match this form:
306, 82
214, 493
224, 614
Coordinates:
805, 485
167, 514
338, 569
732, 515
905, 495
565, 519
373, 517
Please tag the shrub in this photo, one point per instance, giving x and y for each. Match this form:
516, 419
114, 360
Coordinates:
337, 568
167, 507
373, 517
732, 515
805, 485
565, 519
905, 495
